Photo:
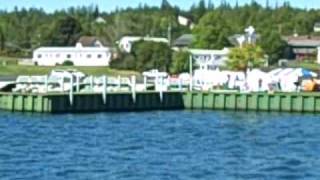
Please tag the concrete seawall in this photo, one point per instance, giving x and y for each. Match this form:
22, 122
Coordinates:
144, 101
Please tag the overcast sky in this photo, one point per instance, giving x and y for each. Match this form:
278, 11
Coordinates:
109, 5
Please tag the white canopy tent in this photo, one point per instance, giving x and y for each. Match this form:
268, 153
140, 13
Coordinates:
258, 80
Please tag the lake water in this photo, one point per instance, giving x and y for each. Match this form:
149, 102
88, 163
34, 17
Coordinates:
156, 145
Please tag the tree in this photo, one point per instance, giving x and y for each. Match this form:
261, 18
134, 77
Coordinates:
151, 55
124, 61
2, 40
66, 32
96, 12
249, 56
180, 62
165, 5
273, 45
199, 10
212, 32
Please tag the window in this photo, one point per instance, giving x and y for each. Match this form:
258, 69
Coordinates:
57, 55
39, 56
89, 56
99, 56
68, 55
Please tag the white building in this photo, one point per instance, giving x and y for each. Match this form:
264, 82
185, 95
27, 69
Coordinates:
209, 59
94, 55
316, 27
126, 42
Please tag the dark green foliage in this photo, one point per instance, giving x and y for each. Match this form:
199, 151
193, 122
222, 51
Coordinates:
67, 63
180, 62
150, 55
66, 32
273, 45
2, 39
145, 56
212, 32
124, 61
23, 30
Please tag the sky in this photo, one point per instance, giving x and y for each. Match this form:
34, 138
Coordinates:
109, 5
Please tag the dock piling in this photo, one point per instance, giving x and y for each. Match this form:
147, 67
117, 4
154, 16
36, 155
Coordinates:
119, 83
46, 83
161, 89
104, 89
71, 91
145, 83
91, 83
62, 84
180, 84
77, 84
133, 88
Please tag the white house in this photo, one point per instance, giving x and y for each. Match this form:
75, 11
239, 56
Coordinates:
209, 59
126, 42
94, 54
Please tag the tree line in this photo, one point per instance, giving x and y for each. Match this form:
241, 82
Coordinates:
23, 30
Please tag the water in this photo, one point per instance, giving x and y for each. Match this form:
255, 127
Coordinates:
160, 145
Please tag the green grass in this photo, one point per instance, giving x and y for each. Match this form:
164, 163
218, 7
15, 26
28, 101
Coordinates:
9, 67
15, 70
311, 65
8, 60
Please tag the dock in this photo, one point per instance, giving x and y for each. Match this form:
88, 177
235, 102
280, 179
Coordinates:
269, 102
152, 100
90, 102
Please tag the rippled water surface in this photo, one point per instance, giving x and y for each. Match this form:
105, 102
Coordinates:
160, 145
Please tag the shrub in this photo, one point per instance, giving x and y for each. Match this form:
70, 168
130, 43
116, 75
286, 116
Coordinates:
67, 63
125, 62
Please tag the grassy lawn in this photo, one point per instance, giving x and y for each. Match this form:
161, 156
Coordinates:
305, 64
15, 70
9, 67
8, 60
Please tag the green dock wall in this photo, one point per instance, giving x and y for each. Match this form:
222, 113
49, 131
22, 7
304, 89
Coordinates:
143, 101
83, 103
281, 102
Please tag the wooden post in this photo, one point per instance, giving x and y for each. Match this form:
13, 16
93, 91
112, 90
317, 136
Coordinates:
191, 73
145, 83
180, 84
119, 83
104, 90
133, 88
156, 82
91, 83
161, 89
62, 84
71, 91
46, 83
78, 84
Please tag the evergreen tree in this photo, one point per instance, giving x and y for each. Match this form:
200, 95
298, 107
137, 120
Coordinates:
66, 32
165, 5
96, 12
2, 39
212, 32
